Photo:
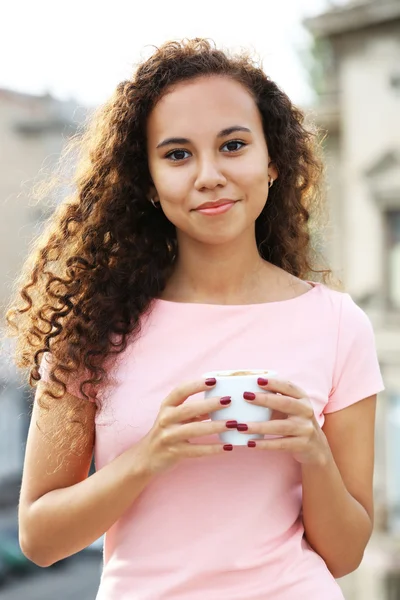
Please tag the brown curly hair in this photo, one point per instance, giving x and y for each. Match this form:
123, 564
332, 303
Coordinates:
106, 253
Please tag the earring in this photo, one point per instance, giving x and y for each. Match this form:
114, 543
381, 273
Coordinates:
271, 183
153, 203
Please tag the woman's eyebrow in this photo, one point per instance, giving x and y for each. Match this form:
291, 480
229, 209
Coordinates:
222, 133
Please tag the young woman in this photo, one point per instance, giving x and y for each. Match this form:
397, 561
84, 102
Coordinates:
141, 284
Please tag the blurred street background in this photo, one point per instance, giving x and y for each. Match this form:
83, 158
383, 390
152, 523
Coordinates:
339, 61
76, 578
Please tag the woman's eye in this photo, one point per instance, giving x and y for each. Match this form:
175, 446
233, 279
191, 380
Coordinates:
234, 142
178, 155
177, 152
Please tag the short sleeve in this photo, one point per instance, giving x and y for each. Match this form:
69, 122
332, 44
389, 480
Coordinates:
356, 373
72, 386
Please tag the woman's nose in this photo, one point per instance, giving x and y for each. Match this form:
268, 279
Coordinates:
209, 175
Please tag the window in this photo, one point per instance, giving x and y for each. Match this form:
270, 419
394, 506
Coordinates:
393, 258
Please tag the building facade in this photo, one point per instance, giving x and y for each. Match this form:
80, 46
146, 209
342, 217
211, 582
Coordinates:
359, 108
33, 131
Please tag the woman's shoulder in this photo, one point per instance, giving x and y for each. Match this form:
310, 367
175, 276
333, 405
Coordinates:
341, 304
334, 293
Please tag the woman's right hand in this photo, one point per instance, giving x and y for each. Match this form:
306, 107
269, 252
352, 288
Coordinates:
178, 422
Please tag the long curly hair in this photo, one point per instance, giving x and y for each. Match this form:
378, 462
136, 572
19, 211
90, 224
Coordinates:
105, 253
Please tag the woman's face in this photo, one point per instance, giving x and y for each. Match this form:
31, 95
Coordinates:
219, 152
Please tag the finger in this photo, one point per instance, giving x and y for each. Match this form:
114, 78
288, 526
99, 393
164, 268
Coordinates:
189, 388
205, 417
191, 410
285, 427
288, 444
284, 404
197, 450
287, 388
193, 430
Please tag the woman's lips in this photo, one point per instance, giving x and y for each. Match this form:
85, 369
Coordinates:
217, 210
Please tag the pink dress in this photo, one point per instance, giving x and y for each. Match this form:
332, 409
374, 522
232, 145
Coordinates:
228, 527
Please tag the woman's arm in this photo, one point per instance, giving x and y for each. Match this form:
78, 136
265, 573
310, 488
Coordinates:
61, 510
338, 495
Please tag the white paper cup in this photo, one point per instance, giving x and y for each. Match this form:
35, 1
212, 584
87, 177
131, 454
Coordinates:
231, 384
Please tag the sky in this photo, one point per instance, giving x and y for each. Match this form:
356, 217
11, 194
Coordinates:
81, 49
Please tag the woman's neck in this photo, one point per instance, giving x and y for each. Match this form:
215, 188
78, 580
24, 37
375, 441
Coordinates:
262, 283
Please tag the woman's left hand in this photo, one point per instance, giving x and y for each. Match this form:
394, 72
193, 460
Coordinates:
301, 435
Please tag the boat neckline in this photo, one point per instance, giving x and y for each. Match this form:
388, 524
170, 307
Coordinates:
315, 285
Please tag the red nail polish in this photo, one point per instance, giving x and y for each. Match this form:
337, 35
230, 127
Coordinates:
211, 381
228, 447
262, 381
251, 444
225, 400
242, 427
231, 424
249, 396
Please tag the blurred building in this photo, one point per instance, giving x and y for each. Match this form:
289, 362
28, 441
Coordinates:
33, 131
358, 49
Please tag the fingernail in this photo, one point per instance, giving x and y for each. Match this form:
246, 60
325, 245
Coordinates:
251, 444
249, 396
231, 424
211, 381
225, 400
228, 447
262, 381
242, 427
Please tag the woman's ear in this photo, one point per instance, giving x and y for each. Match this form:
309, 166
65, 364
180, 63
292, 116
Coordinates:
272, 170
152, 193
